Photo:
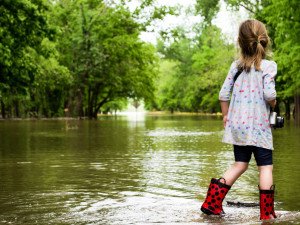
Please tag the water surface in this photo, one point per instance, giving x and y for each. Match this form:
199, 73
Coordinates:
133, 170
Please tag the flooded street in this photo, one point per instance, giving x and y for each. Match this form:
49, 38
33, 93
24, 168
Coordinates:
133, 170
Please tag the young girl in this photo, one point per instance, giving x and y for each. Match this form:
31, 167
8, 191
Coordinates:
246, 119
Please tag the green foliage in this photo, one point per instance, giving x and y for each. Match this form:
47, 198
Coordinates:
51, 81
113, 106
211, 64
284, 17
282, 20
166, 83
194, 72
23, 27
208, 9
102, 49
86, 56
89, 54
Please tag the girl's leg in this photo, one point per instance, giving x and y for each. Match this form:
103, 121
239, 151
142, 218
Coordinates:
264, 160
265, 177
232, 174
266, 193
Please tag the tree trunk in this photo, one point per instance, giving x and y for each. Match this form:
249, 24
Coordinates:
297, 109
277, 109
3, 109
91, 96
24, 103
96, 110
98, 106
9, 111
16, 104
95, 113
69, 107
33, 109
79, 103
287, 109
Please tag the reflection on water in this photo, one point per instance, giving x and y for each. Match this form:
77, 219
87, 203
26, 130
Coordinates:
132, 170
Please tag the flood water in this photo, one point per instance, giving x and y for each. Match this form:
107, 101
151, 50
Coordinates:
133, 170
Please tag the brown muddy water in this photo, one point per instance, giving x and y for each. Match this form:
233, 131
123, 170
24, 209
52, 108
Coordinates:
133, 170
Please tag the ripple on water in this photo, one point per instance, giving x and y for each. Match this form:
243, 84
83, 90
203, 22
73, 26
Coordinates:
171, 133
148, 208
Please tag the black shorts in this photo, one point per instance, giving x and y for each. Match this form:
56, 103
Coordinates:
262, 156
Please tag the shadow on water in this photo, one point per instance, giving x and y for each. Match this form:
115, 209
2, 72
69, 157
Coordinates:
133, 170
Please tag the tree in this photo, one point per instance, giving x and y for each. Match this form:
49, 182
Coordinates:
88, 55
101, 47
282, 20
114, 106
208, 9
167, 87
191, 81
211, 65
23, 27
284, 16
51, 83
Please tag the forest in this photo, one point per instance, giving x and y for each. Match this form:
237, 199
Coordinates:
77, 58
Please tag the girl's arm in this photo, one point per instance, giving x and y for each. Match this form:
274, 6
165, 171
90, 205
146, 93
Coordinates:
224, 107
269, 83
227, 86
224, 95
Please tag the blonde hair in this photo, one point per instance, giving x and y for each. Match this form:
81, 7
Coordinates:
253, 41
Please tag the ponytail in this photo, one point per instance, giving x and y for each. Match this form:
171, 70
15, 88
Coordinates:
253, 40
260, 54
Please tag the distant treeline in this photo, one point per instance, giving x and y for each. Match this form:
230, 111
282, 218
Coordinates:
80, 57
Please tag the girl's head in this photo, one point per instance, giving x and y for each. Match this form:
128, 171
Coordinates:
253, 41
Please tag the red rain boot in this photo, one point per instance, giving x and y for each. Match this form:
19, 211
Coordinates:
267, 203
214, 198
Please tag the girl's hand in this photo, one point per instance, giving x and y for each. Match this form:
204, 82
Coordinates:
272, 103
224, 120
224, 107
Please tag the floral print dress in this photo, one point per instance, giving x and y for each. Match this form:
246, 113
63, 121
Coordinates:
248, 115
